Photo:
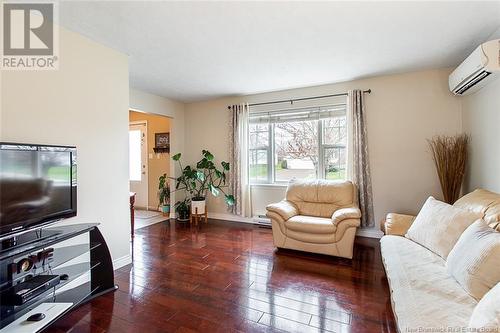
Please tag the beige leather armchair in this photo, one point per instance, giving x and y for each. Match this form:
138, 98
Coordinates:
317, 216
482, 201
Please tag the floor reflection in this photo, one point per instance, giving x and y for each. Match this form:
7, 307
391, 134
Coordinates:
225, 276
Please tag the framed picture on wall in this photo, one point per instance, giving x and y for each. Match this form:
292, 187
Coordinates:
162, 140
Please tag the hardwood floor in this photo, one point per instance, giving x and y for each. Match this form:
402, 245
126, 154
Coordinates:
227, 277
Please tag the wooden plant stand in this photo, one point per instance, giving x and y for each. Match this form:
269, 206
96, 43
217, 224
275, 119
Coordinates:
197, 216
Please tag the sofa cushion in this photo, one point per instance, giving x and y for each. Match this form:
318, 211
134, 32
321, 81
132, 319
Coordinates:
484, 202
321, 197
439, 225
486, 314
423, 294
475, 260
311, 224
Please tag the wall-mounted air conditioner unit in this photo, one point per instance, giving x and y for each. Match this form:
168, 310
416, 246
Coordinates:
481, 67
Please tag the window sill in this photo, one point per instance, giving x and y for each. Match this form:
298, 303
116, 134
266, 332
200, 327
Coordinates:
269, 185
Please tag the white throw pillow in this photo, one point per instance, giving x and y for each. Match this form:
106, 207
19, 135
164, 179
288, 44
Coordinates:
475, 260
438, 226
486, 314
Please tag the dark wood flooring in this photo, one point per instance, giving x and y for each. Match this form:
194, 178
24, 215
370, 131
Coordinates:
228, 277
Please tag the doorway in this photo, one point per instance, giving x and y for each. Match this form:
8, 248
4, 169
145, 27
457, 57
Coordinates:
149, 154
138, 162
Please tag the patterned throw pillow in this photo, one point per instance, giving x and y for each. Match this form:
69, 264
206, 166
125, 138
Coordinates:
438, 226
486, 314
475, 260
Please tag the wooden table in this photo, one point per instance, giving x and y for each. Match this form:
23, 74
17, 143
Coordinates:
132, 217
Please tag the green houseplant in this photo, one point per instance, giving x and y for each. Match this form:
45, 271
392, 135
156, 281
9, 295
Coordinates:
182, 209
164, 194
205, 177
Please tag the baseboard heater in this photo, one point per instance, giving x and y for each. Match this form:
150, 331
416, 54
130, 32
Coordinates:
262, 221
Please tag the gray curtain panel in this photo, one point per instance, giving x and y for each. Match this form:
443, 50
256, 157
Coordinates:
238, 149
360, 158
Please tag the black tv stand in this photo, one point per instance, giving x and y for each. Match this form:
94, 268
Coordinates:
31, 236
80, 254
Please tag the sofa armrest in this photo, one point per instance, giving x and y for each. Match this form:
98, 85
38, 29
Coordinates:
345, 213
284, 208
397, 224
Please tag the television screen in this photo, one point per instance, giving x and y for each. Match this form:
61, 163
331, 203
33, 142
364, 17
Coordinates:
37, 185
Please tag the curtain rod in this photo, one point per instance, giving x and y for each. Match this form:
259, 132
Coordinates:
301, 99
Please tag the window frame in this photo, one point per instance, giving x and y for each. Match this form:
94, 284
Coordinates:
271, 168
324, 147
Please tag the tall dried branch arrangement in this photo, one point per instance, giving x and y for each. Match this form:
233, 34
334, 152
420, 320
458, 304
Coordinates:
450, 157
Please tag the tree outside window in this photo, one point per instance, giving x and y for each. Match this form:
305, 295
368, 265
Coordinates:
307, 149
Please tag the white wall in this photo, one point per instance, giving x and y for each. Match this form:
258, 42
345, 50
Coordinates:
403, 111
149, 103
84, 103
481, 119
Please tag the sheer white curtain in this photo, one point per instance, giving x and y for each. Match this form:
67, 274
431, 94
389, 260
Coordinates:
357, 154
238, 159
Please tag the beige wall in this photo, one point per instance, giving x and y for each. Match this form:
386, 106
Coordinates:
84, 103
403, 111
153, 104
481, 118
158, 164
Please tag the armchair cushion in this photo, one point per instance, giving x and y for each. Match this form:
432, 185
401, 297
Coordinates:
284, 208
397, 224
321, 197
311, 224
345, 213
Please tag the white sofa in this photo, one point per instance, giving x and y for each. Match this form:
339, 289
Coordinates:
424, 296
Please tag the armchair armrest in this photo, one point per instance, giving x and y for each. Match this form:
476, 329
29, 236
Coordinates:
284, 208
397, 224
345, 213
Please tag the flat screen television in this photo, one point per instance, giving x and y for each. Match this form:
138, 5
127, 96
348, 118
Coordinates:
37, 185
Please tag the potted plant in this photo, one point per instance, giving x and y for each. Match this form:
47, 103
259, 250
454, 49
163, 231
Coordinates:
205, 177
164, 194
182, 209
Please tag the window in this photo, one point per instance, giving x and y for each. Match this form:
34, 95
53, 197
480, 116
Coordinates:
258, 154
295, 150
334, 147
305, 143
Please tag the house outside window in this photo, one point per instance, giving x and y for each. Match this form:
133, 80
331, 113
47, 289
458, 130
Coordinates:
302, 143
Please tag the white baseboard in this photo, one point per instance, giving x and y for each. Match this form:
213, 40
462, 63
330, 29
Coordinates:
364, 232
369, 232
123, 261
230, 217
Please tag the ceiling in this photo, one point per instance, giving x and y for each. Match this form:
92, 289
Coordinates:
191, 51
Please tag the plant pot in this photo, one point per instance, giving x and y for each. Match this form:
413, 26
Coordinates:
198, 205
165, 209
183, 215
